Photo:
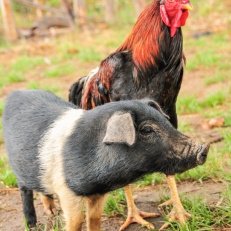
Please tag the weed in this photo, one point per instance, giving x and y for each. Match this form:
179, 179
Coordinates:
214, 99
151, 179
1, 107
227, 147
60, 71
185, 128
26, 63
89, 55
217, 78
1, 133
186, 105
202, 59
33, 85
6, 174
116, 203
15, 77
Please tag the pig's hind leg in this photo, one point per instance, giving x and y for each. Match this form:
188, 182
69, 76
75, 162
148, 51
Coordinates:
48, 204
72, 207
28, 207
95, 206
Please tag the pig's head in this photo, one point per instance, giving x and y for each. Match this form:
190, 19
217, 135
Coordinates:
144, 134
123, 141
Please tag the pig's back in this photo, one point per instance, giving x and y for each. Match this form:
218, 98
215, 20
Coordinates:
26, 117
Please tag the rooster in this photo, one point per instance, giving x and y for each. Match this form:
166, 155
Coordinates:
148, 64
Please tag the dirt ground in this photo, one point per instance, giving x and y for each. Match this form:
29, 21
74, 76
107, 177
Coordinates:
11, 216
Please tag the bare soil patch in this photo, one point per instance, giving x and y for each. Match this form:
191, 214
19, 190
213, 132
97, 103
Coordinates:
148, 198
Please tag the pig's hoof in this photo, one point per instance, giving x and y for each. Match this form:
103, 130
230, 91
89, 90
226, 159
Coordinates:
49, 205
138, 218
180, 216
50, 211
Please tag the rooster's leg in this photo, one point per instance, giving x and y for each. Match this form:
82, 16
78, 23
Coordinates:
134, 214
178, 212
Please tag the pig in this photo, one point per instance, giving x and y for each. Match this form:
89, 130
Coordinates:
54, 147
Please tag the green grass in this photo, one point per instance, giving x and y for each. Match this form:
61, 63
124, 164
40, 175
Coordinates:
26, 63
184, 127
1, 133
60, 71
151, 179
1, 107
219, 77
89, 55
71, 50
227, 146
204, 59
187, 105
205, 217
215, 99
116, 203
190, 104
6, 174
15, 77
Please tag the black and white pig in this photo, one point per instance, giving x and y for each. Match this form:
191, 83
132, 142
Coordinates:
55, 148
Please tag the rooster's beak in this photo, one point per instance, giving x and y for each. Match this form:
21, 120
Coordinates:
187, 6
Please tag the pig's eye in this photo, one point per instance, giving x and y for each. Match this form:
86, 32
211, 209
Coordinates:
146, 130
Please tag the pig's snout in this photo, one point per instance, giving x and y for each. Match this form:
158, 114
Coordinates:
202, 153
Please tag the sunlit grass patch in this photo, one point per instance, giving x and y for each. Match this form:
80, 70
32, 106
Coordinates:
187, 105
60, 71
26, 63
190, 104
6, 174
203, 59
15, 77
214, 99
151, 180
227, 146
217, 78
1, 133
1, 107
184, 127
204, 216
89, 54
70, 50
116, 203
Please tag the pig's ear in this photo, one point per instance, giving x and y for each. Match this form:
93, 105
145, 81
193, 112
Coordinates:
120, 129
155, 105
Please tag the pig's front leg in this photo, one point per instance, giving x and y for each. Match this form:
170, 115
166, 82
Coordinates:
95, 206
72, 207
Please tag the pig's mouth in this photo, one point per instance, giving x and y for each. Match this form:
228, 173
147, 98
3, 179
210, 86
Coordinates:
190, 161
202, 154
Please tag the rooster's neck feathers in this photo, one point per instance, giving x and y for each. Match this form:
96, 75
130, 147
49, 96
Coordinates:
143, 40
150, 42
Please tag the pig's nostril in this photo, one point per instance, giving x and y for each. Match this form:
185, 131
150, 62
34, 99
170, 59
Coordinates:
202, 155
